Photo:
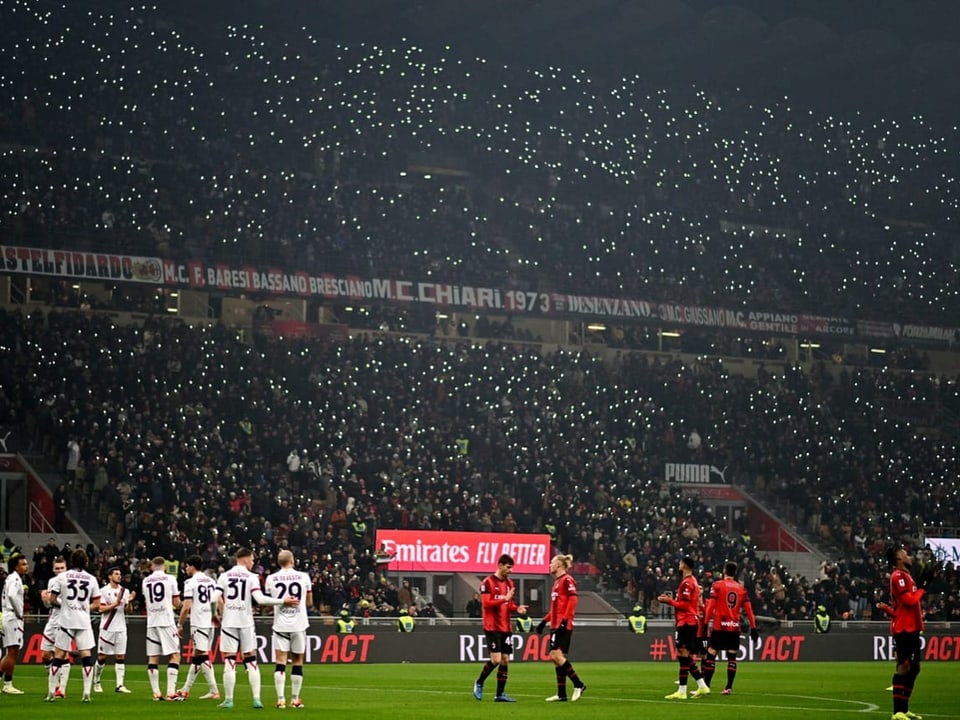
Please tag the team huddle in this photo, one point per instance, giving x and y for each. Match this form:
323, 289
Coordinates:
72, 594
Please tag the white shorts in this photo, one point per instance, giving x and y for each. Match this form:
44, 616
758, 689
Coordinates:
66, 637
234, 639
112, 643
49, 638
202, 639
294, 641
12, 631
162, 641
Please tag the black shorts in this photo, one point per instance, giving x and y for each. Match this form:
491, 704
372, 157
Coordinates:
560, 640
728, 640
686, 637
498, 642
906, 647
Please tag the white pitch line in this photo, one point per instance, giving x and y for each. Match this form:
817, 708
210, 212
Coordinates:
868, 707
592, 698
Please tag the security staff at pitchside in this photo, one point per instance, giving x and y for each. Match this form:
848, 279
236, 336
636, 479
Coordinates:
821, 621
405, 623
344, 622
637, 620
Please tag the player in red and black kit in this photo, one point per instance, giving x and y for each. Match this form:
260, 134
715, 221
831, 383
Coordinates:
563, 605
687, 613
496, 595
728, 599
906, 624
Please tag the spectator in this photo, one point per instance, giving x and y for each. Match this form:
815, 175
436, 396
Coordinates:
474, 609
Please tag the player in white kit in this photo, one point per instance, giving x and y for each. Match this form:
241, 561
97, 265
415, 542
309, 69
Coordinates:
199, 596
238, 589
290, 625
12, 626
77, 593
161, 597
115, 602
51, 628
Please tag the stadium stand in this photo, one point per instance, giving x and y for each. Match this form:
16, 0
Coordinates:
141, 135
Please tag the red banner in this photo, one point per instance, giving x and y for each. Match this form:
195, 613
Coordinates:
292, 329
419, 551
718, 492
874, 329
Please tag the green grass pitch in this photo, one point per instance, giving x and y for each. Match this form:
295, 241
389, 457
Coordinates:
616, 690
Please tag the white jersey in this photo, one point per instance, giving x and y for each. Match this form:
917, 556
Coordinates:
53, 618
76, 590
116, 619
13, 595
159, 592
289, 618
238, 587
200, 590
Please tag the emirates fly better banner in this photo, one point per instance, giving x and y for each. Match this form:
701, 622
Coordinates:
435, 551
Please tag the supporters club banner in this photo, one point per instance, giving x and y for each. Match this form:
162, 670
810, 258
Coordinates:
225, 277
442, 551
926, 332
76, 265
821, 325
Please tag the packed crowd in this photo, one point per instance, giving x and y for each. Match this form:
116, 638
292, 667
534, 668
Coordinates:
191, 440
140, 133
